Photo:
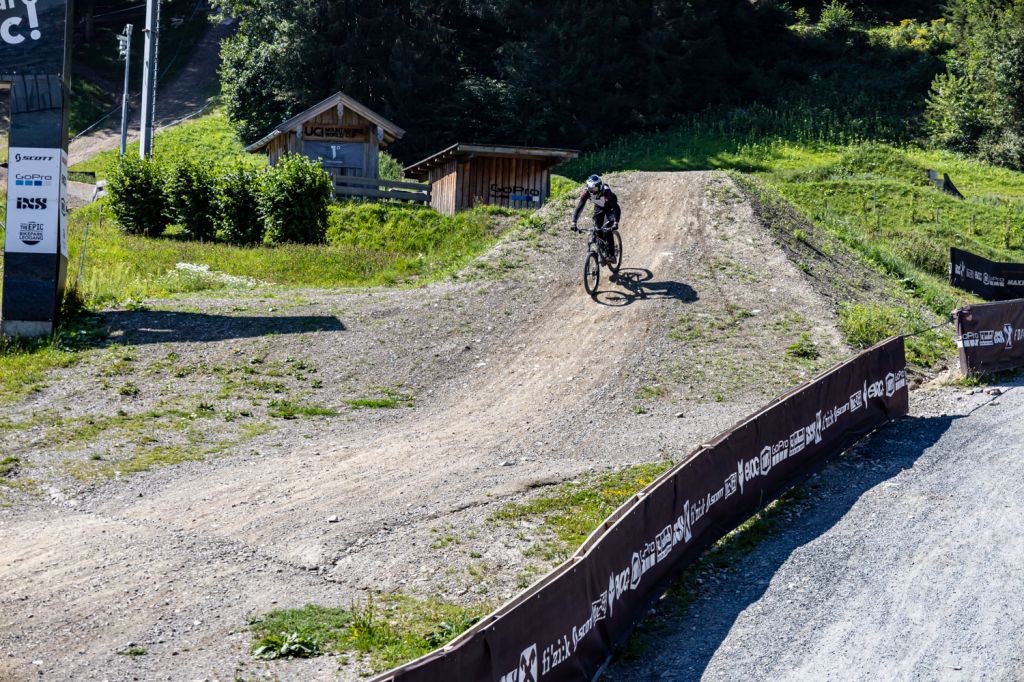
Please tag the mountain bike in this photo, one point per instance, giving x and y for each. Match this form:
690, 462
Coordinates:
597, 255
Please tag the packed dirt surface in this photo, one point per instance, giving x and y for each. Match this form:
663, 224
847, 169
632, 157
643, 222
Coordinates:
510, 378
905, 563
186, 94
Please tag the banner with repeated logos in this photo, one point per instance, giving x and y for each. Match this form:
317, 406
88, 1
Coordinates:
991, 280
990, 336
566, 626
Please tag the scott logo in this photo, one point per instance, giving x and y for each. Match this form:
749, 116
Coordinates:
34, 203
26, 157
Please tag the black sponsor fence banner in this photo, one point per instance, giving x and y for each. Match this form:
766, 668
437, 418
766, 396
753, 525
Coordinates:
566, 626
990, 336
988, 279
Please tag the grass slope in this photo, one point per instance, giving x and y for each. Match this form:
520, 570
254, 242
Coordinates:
873, 196
209, 139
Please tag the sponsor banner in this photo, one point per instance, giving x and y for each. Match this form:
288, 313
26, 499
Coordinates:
988, 279
320, 131
36, 190
566, 626
990, 336
32, 35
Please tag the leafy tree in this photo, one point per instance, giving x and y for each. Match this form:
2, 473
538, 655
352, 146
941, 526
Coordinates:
979, 104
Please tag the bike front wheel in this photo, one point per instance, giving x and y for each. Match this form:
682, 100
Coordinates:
615, 264
591, 273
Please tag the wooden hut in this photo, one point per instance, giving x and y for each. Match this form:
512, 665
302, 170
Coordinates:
341, 133
467, 175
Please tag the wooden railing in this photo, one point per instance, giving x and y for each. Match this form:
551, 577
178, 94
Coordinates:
374, 188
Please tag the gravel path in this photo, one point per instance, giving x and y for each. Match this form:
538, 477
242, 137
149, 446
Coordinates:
519, 379
190, 90
907, 564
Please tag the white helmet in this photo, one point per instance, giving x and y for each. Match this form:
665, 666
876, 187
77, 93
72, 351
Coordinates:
595, 185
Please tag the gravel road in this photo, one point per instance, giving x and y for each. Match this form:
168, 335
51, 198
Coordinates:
907, 564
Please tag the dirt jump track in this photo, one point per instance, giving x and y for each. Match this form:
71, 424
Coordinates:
535, 386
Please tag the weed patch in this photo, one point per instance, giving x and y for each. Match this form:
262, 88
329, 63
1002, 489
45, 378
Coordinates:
388, 398
389, 629
287, 409
567, 515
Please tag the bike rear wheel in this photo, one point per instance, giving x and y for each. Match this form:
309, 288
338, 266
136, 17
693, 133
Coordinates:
617, 263
591, 273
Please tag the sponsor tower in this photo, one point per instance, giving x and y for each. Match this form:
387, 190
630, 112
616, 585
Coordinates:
35, 48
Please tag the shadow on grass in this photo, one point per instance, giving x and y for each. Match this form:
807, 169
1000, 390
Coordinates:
697, 615
139, 327
639, 286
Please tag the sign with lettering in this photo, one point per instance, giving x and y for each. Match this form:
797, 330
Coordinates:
320, 131
991, 280
990, 336
36, 191
32, 36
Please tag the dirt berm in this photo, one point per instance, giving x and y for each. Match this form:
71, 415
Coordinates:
520, 380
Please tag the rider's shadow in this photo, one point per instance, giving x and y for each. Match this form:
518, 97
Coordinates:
639, 286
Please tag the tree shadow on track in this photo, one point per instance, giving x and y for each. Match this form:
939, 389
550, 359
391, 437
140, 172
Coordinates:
678, 646
639, 287
139, 327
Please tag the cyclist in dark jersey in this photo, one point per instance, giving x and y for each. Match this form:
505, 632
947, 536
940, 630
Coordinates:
607, 212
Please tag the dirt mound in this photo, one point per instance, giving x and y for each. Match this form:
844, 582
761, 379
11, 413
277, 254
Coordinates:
519, 379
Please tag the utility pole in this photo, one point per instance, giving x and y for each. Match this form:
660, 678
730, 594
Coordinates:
152, 32
124, 49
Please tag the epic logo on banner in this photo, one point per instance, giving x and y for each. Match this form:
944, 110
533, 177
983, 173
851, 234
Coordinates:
11, 27
32, 36
36, 200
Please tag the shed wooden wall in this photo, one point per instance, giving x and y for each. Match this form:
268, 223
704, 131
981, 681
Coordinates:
443, 187
457, 186
290, 142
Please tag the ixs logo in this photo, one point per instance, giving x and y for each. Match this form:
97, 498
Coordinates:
9, 28
527, 670
31, 203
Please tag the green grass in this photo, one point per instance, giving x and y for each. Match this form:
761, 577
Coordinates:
369, 245
571, 512
209, 139
288, 409
8, 465
88, 103
387, 398
389, 629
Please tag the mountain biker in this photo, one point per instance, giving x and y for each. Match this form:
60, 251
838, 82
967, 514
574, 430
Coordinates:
606, 211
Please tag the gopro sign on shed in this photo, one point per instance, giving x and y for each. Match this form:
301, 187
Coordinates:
35, 182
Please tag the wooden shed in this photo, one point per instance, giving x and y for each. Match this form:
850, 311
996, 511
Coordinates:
467, 175
342, 133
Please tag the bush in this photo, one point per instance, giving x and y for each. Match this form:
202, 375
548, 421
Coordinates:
293, 201
836, 19
390, 168
137, 197
237, 206
191, 195
955, 117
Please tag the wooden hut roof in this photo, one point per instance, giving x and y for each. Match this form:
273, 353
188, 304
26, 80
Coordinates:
464, 151
389, 128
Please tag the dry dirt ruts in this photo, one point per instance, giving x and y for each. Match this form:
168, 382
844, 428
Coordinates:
519, 380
